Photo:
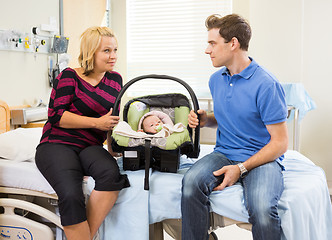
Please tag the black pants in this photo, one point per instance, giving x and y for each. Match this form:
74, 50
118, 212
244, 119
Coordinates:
64, 167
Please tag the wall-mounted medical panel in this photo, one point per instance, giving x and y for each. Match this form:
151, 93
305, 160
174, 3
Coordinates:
12, 40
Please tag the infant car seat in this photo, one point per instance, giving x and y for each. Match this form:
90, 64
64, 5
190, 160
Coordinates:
162, 153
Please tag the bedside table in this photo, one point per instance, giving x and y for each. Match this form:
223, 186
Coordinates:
28, 117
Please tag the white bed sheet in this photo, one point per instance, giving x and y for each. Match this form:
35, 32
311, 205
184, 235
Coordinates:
305, 207
23, 175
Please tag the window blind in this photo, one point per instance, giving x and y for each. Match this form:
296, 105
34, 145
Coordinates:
169, 38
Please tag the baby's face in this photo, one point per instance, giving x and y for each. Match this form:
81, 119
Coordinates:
150, 124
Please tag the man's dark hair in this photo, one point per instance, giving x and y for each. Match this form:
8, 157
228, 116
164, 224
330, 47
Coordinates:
230, 26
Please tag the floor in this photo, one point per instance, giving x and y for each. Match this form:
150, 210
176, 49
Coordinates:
232, 232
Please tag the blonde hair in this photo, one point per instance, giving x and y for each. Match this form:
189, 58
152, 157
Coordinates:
90, 40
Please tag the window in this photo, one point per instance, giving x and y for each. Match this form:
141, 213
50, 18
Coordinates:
169, 38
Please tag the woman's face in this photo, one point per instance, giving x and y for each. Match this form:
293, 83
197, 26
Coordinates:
106, 54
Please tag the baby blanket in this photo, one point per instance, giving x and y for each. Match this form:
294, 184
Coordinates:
124, 129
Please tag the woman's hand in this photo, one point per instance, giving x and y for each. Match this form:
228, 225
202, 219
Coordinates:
107, 122
193, 119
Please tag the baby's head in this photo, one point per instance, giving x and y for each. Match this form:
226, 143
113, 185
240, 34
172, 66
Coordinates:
152, 124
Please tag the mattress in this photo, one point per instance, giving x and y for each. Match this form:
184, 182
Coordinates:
23, 175
305, 208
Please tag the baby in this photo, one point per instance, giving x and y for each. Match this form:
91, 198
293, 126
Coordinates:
151, 124
154, 123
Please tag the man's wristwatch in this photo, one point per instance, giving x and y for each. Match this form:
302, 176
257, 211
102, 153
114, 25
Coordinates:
243, 170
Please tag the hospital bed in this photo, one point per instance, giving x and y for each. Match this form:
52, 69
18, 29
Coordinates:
305, 207
28, 204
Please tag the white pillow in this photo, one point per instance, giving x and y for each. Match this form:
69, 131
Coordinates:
20, 144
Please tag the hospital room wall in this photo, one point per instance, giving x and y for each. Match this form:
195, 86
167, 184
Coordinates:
24, 76
293, 40
289, 38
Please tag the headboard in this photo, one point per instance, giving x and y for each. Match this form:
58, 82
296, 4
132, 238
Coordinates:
4, 117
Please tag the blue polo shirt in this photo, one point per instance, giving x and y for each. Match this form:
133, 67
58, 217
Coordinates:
243, 105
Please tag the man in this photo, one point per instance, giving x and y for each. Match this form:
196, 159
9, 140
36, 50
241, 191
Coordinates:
250, 114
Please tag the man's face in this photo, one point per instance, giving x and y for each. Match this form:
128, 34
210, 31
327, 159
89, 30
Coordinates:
218, 49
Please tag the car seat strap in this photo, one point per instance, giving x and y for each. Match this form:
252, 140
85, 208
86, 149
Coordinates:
147, 162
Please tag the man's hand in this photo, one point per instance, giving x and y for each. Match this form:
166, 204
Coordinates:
231, 175
107, 122
193, 119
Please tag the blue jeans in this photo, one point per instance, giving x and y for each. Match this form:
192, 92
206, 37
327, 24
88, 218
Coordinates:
262, 190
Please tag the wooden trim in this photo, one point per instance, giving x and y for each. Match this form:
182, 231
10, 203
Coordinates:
4, 117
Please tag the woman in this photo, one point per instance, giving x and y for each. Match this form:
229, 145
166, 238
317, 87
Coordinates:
71, 146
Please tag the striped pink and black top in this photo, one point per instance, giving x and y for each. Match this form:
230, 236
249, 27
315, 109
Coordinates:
71, 93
